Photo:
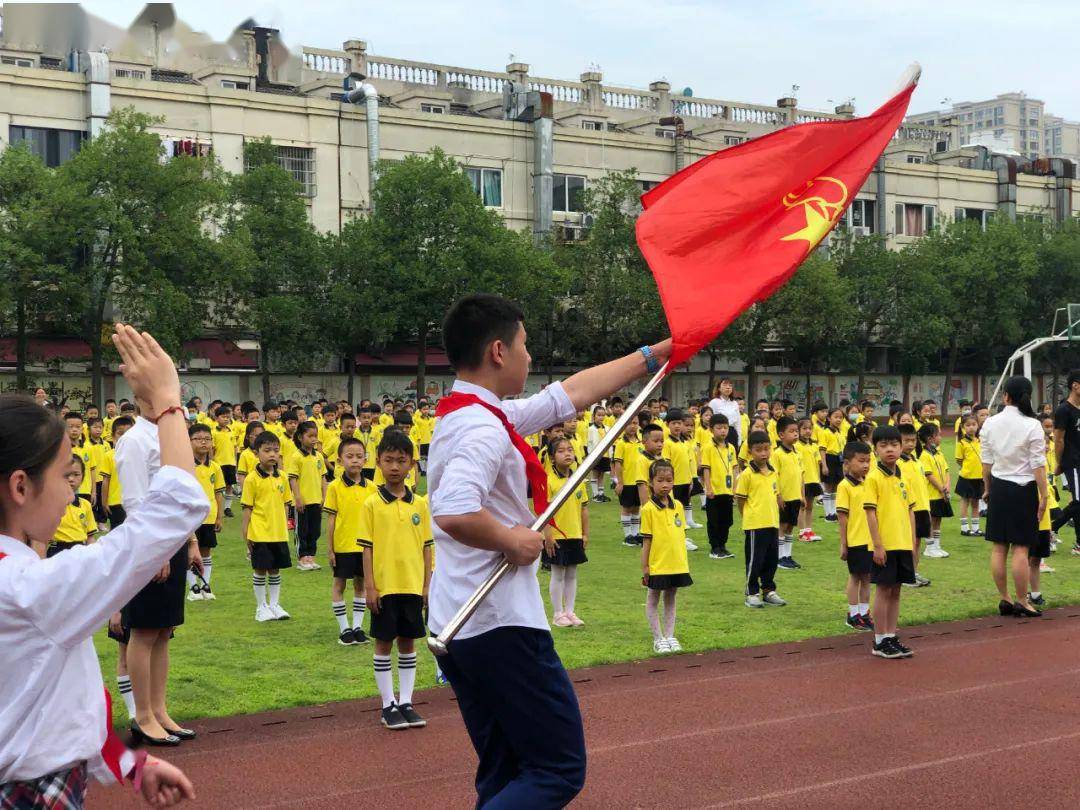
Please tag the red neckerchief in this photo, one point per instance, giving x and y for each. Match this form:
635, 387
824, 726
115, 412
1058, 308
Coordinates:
113, 749
534, 470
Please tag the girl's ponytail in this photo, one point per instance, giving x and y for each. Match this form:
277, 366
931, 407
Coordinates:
1019, 390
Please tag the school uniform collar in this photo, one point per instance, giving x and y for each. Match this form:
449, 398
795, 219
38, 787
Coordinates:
753, 466
203, 463
264, 474
785, 449
648, 455
304, 452
886, 471
350, 483
906, 457
717, 443
660, 504
75, 500
677, 439
557, 474
390, 497
855, 482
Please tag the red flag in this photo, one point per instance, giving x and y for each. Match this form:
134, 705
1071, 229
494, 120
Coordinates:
729, 230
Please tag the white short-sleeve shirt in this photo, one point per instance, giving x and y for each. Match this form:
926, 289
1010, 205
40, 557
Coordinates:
472, 465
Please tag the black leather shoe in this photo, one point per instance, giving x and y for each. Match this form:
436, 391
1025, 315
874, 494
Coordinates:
1005, 607
140, 737
182, 733
1024, 611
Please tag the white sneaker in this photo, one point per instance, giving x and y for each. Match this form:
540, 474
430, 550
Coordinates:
815, 538
690, 545
674, 645
313, 566
263, 614
661, 645
278, 612
303, 566
695, 525
208, 596
753, 601
194, 597
773, 598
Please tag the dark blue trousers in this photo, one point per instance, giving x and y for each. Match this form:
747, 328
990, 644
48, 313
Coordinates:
522, 715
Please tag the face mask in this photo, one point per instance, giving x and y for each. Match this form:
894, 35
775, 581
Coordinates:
852, 417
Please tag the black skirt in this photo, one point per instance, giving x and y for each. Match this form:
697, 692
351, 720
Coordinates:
970, 488
662, 582
812, 490
160, 604
941, 508
568, 552
1012, 513
835, 466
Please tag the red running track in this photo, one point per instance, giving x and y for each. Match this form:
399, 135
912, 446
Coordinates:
984, 715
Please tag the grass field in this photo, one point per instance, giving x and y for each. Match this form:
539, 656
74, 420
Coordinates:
224, 663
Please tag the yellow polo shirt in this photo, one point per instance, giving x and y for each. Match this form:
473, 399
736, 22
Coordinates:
886, 493
344, 497
396, 531
665, 526
849, 501
266, 495
758, 489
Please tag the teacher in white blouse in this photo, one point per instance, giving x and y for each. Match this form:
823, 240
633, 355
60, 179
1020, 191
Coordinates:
724, 402
1014, 480
55, 728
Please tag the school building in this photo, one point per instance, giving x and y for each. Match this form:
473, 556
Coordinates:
529, 144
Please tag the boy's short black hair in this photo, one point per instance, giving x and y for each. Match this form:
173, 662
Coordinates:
347, 415
718, 419
819, 406
73, 415
127, 407
615, 401
403, 418
290, 416
122, 421
757, 437
783, 422
862, 431
675, 415
865, 404
787, 403
268, 405
199, 427
906, 429
265, 438
885, 433
852, 449
223, 410
395, 440
473, 322
374, 409
652, 427
927, 432
349, 441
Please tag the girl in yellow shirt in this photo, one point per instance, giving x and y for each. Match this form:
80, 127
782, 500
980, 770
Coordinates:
969, 486
307, 476
664, 564
564, 547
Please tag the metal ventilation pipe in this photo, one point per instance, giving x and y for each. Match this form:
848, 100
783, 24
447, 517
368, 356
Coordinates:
370, 96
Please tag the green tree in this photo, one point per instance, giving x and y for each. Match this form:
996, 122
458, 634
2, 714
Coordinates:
281, 286
433, 240
143, 250
35, 247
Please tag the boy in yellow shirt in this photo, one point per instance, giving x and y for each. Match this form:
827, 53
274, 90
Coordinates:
212, 479
80, 447
915, 480
264, 526
680, 450
395, 534
225, 452
344, 498
77, 527
624, 474
757, 494
719, 471
789, 478
855, 534
891, 521
811, 461
110, 482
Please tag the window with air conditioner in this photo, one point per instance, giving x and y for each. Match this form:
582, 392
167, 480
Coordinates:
593, 126
568, 193
17, 61
664, 133
487, 183
53, 146
915, 159
434, 109
914, 219
860, 217
733, 140
232, 84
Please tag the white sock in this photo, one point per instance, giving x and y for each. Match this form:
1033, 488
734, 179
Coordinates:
208, 566
359, 605
384, 678
704, 498
228, 499
273, 588
123, 683
595, 487
635, 525
878, 637
690, 513
339, 614
785, 546
258, 582
1036, 594
190, 579
829, 501
624, 521
406, 672
975, 524
963, 523
864, 608
852, 610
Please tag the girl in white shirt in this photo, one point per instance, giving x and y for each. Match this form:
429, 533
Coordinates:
55, 729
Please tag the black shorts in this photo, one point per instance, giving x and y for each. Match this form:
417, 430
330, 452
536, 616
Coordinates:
424, 450
568, 552
835, 466
860, 560
368, 474
205, 536
1012, 513
56, 546
681, 493
663, 582
970, 489
101, 511
922, 524
899, 569
117, 515
812, 490
941, 508
789, 515
268, 556
603, 465
229, 471
696, 487
348, 564
628, 498
400, 615
1041, 549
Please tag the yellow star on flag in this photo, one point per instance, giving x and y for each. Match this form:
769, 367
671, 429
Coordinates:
817, 226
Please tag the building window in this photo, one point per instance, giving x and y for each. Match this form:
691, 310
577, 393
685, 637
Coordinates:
568, 193
16, 61
611, 127
232, 84
861, 215
487, 183
129, 73
53, 146
647, 185
434, 109
979, 215
999, 110
733, 140
664, 133
914, 219
915, 159
593, 126
299, 161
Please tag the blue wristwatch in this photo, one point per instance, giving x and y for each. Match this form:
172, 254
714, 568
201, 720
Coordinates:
651, 362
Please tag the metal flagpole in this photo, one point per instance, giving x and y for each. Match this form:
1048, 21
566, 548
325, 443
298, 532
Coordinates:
438, 643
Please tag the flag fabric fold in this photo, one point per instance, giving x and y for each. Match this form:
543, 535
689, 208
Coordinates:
729, 230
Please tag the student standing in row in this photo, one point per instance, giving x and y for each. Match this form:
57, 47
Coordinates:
344, 498
264, 527
855, 545
566, 544
757, 494
664, 565
719, 471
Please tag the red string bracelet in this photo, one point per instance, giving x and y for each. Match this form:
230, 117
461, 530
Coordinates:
155, 419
